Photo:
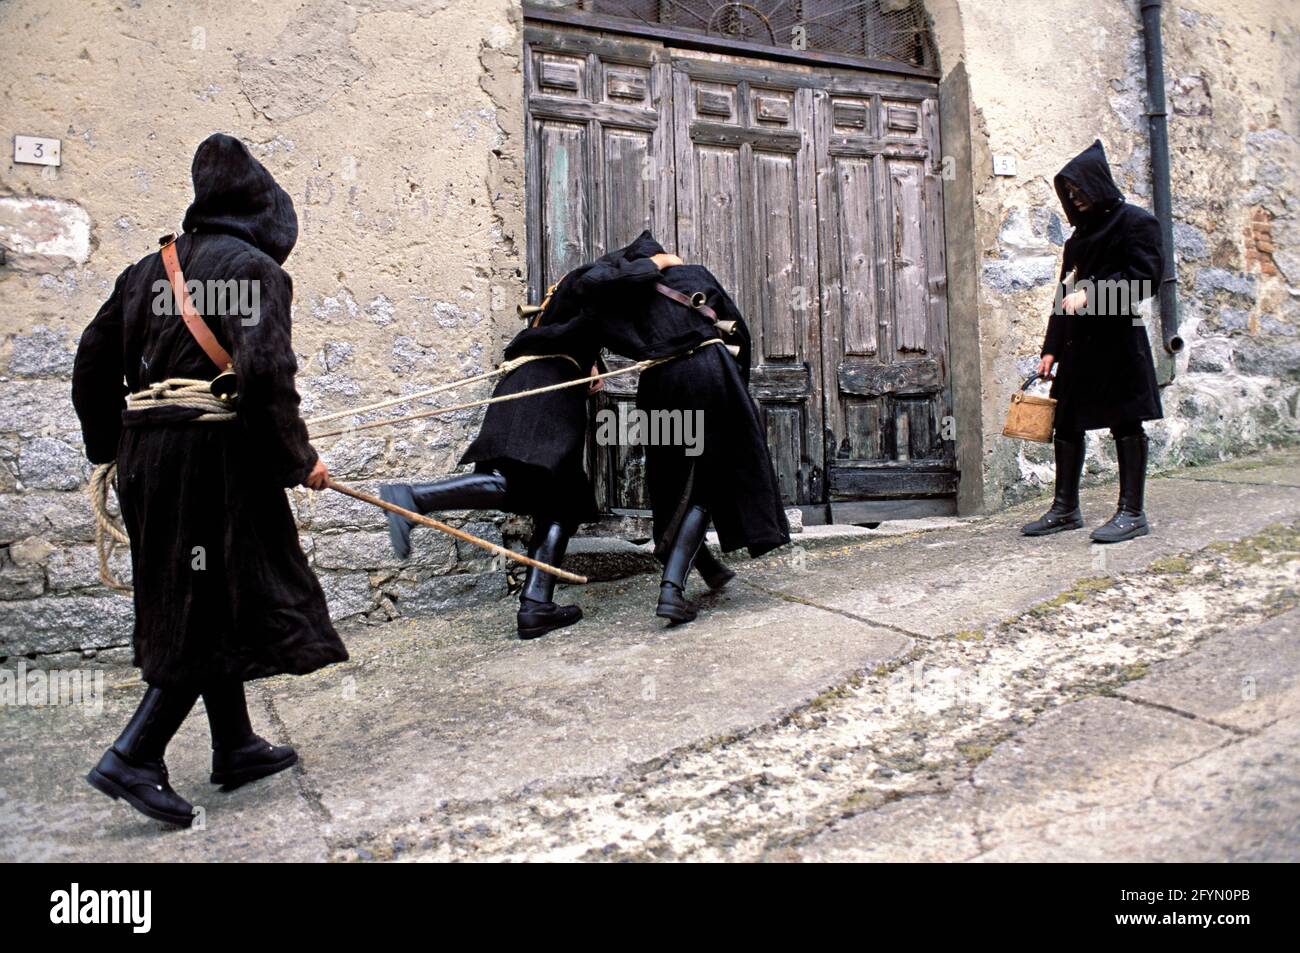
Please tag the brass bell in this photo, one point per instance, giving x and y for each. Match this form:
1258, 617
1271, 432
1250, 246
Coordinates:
223, 386
699, 299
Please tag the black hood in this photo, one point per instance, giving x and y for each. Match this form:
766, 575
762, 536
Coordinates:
234, 194
1090, 172
643, 246
567, 300
564, 302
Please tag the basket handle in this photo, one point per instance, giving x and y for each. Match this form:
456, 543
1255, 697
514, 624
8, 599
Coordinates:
1029, 381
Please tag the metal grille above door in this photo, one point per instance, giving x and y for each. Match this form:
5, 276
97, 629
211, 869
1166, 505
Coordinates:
880, 31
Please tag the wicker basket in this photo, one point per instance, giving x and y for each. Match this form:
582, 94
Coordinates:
1030, 417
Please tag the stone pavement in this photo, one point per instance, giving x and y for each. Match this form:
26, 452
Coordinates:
1130, 702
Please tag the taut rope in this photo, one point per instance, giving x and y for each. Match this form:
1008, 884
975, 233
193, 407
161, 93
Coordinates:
505, 368
436, 411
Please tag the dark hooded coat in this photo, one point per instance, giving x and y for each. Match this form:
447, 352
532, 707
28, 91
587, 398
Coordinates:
1106, 376
539, 442
222, 589
733, 477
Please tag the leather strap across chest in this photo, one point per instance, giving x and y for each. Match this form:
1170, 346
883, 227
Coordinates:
198, 328
696, 303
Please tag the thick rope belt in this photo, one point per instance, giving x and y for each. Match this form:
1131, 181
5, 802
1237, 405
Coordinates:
183, 392
173, 392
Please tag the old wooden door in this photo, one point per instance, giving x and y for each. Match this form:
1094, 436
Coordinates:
746, 210
889, 433
814, 196
599, 172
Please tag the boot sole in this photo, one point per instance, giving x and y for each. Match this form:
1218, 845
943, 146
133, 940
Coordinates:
527, 632
1064, 527
674, 615
229, 780
106, 785
1103, 541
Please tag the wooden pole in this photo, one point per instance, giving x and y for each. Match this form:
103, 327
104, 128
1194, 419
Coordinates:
452, 531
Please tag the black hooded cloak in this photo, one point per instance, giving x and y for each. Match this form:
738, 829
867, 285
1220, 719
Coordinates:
733, 477
539, 442
1106, 376
222, 589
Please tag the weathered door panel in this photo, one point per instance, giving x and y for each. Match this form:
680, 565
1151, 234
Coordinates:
744, 204
884, 320
599, 172
599, 148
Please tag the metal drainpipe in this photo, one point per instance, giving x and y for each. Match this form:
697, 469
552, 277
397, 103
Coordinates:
1159, 136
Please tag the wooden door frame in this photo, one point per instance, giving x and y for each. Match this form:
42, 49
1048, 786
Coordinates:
934, 483
688, 40
664, 53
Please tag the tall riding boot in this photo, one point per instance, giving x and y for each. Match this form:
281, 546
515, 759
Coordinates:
133, 768
471, 491
686, 546
538, 614
238, 755
1129, 521
1064, 513
715, 572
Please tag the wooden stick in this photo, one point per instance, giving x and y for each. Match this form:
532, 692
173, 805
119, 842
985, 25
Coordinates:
453, 531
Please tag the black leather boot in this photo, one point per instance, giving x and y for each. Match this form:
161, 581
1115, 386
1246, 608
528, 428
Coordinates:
538, 614
238, 755
134, 770
716, 574
686, 547
1129, 521
472, 491
1064, 513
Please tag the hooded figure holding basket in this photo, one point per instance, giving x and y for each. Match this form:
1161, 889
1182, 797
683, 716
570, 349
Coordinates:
1098, 343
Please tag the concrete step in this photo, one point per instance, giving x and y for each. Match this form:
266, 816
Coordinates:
602, 558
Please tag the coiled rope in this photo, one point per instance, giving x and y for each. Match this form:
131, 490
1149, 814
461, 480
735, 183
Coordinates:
173, 392
108, 535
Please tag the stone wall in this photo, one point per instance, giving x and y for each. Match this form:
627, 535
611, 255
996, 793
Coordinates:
397, 126
1045, 80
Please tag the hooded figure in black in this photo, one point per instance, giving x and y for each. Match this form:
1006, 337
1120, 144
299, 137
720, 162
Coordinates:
223, 593
528, 459
529, 453
731, 480
1098, 342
